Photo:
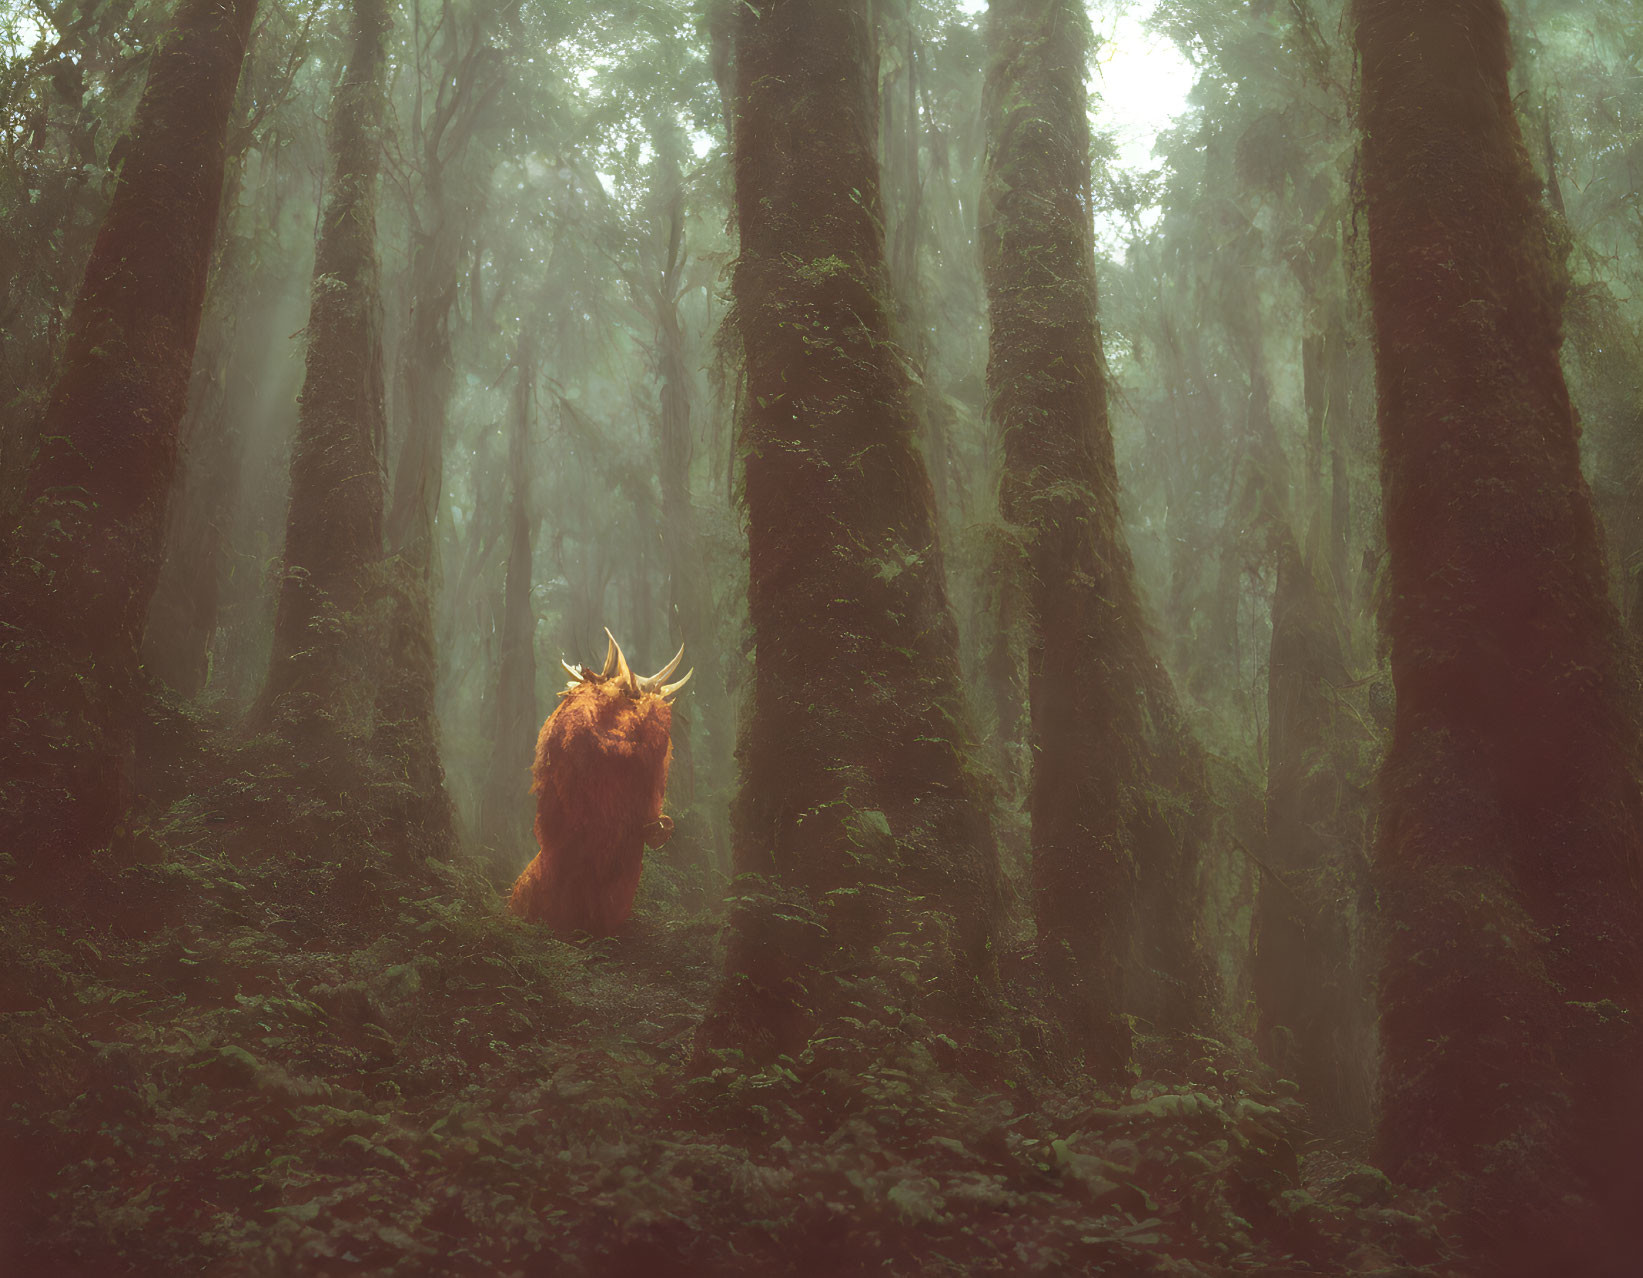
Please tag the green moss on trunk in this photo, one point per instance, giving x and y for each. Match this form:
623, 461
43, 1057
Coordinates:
1510, 836
857, 788
84, 563
1311, 975
1118, 796
702, 732
505, 805
322, 664
238, 344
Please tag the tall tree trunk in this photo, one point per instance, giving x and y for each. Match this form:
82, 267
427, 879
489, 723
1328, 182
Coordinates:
689, 593
85, 559
320, 675
904, 227
1325, 515
428, 373
59, 157
719, 18
182, 616
1509, 855
407, 719
505, 806
418, 815
1314, 392
1340, 521
182, 619
1004, 678
461, 624
857, 785
1312, 987
1111, 757
1608, 352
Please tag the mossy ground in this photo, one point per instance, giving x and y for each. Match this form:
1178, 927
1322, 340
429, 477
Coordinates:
238, 1056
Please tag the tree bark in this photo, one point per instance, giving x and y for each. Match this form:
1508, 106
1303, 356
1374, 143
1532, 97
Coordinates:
858, 793
54, 217
182, 618
407, 719
321, 673
905, 230
238, 344
1117, 786
1608, 352
1508, 861
505, 804
87, 554
689, 592
1326, 515
1311, 978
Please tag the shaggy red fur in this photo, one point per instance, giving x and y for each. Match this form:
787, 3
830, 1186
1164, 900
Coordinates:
600, 773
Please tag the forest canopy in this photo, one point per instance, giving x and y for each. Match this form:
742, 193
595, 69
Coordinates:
1135, 511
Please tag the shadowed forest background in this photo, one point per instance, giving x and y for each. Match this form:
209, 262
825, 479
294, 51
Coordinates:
1159, 786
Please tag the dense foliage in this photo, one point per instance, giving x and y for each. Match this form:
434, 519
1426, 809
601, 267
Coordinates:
396, 1081
1001, 442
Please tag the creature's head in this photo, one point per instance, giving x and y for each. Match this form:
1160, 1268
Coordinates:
622, 680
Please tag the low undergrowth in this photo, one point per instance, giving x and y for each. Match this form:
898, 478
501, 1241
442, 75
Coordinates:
234, 1056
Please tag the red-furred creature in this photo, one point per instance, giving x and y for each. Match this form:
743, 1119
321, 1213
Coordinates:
599, 776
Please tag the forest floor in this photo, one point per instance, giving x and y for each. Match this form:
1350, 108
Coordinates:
236, 1057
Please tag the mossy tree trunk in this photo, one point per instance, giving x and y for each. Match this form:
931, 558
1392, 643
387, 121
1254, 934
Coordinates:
857, 789
182, 616
323, 664
1309, 973
1326, 507
85, 560
706, 772
718, 21
1117, 788
460, 643
57, 196
407, 720
687, 608
1338, 415
1003, 674
1608, 352
904, 183
505, 804
1509, 854
238, 346
1311, 977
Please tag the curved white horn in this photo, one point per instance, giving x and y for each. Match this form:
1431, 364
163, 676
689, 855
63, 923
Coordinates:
612, 655
668, 691
624, 676
655, 681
